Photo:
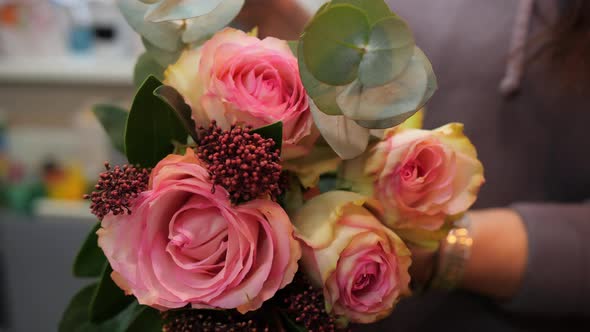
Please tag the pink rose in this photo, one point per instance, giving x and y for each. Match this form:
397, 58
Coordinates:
238, 78
361, 264
421, 176
185, 245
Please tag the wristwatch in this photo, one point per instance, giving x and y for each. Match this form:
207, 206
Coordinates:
455, 250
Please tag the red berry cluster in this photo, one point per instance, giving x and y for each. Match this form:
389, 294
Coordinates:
299, 301
306, 306
213, 321
116, 188
246, 164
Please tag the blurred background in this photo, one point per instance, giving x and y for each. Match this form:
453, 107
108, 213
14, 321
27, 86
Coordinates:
57, 59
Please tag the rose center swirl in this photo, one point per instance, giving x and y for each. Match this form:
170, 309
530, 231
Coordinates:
194, 244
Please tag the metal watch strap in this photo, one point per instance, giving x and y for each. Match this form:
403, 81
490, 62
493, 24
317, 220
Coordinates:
455, 252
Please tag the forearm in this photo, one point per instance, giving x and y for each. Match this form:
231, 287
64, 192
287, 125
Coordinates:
498, 257
534, 257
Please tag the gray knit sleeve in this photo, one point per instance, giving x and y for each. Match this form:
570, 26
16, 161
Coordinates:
557, 277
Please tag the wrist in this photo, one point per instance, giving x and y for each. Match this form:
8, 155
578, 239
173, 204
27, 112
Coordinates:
499, 253
453, 255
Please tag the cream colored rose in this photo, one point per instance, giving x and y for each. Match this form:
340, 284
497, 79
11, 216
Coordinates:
422, 177
236, 78
361, 264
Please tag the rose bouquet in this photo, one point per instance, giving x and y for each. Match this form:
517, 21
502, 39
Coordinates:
271, 185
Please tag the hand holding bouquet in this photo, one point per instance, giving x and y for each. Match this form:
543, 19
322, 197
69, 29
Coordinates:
262, 193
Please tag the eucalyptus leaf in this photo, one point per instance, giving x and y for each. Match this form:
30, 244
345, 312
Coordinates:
385, 123
374, 9
170, 10
146, 320
199, 28
390, 49
152, 127
392, 103
146, 65
166, 34
163, 57
432, 84
90, 260
108, 300
113, 119
346, 138
76, 317
322, 9
334, 43
274, 131
184, 112
323, 95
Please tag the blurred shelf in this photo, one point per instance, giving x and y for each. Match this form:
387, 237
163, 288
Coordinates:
67, 70
49, 208
51, 211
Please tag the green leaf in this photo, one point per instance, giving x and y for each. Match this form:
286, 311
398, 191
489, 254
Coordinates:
390, 49
146, 320
334, 43
76, 317
112, 119
289, 325
176, 102
90, 260
274, 131
108, 299
152, 127
170, 10
146, 65
374, 9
